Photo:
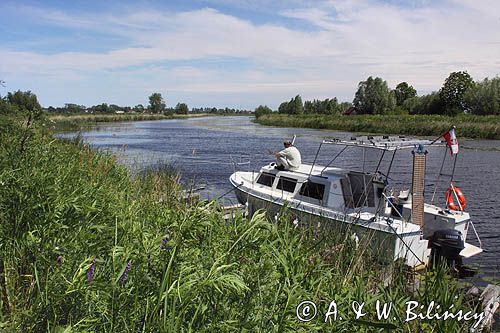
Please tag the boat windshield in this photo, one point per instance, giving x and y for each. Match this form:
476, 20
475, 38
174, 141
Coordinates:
312, 190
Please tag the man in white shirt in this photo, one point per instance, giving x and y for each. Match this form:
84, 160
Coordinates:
289, 158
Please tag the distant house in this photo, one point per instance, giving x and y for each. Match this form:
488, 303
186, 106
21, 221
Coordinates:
120, 112
352, 111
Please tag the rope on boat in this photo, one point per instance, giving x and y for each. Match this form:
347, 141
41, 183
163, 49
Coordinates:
231, 190
401, 239
395, 231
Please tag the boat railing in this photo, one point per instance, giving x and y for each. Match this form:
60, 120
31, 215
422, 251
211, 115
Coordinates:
238, 163
391, 204
381, 142
477, 235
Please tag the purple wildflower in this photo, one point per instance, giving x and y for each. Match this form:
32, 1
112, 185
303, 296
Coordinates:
164, 243
123, 278
90, 271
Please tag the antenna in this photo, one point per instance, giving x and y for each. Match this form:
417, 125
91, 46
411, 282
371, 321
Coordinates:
293, 140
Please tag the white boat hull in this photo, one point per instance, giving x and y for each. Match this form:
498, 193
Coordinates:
384, 244
362, 205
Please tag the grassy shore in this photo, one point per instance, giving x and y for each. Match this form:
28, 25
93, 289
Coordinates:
478, 127
74, 122
86, 247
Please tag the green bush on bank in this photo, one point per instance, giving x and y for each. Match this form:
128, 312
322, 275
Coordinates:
83, 246
480, 127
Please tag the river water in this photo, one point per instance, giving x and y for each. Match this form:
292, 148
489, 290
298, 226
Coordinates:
207, 150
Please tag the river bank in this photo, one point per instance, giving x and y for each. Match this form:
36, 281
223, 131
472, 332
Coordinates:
74, 122
478, 127
86, 246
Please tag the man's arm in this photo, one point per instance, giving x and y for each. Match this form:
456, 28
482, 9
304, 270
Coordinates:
283, 153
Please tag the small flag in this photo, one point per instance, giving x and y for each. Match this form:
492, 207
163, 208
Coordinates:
451, 141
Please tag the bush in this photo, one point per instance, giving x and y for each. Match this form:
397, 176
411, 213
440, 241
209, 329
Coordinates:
262, 110
484, 97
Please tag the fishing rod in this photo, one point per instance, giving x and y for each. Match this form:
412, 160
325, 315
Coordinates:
270, 152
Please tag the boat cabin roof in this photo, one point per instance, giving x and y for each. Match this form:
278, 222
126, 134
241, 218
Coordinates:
306, 170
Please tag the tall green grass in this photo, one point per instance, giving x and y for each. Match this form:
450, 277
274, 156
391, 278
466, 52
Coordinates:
480, 127
85, 247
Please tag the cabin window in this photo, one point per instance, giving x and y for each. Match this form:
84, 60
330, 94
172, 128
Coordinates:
312, 190
266, 179
358, 190
286, 184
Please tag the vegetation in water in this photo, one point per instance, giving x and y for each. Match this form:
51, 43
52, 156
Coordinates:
86, 247
76, 122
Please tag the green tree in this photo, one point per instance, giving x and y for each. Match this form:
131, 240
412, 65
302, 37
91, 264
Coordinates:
101, 108
294, 106
138, 108
284, 107
332, 106
74, 108
309, 107
402, 92
344, 106
484, 97
262, 110
427, 104
374, 97
24, 102
327, 106
115, 108
6, 107
453, 91
181, 108
156, 103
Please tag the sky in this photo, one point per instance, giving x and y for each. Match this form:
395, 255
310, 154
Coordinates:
239, 53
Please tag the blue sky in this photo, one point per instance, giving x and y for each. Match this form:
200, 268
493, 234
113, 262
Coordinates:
239, 53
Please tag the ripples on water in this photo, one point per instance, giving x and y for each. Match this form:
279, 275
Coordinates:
205, 150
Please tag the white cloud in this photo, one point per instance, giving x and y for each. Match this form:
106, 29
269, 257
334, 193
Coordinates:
352, 40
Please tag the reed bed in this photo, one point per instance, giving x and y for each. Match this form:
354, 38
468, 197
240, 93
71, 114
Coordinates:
479, 127
86, 247
77, 121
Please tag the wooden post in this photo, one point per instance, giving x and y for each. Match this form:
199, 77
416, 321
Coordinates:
417, 189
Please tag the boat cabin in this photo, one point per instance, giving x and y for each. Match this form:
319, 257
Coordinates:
328, 187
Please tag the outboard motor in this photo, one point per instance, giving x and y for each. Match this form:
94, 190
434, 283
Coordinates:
447, 245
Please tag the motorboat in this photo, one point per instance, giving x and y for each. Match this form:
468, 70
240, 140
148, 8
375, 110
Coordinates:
397, 226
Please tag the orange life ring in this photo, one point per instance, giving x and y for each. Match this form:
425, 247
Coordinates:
453, 192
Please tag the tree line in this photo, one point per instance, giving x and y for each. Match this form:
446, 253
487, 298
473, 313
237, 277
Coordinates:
21, 101
459, 94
